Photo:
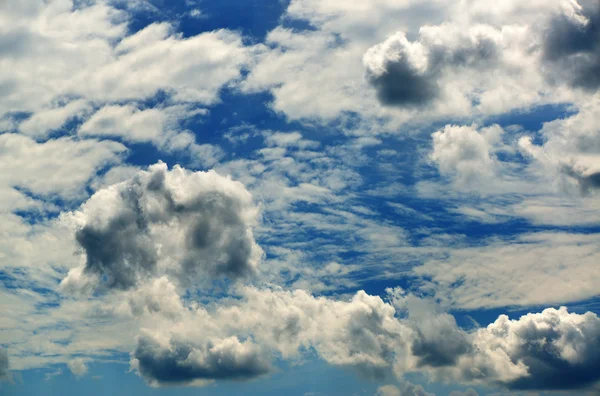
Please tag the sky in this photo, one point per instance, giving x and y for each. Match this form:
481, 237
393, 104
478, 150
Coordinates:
301, 197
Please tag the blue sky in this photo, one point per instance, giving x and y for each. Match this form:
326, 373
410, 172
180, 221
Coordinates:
310, 197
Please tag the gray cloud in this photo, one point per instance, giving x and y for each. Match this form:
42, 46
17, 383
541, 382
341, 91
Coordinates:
572, 47
4, 365
438, 341
181, 362
551, 350
174, 222
406, 73
588, 181
402, 85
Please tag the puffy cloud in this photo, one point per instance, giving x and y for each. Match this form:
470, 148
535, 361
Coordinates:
571, 46
83, 50
388, 390
361, 333
177, 362
570, 152
447, 60
406, 73
551, 350
82, 56
365, 333
437, 340
405, 389
78, 367
176, 222
4, 365
398, 71
465, 154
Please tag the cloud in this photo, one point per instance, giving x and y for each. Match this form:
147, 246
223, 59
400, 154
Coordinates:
41, 169
361, 334
408, 389
406, 73
85, 51
160, 126
465, 154
571, 46
468, 392
551, 350
528, 269
447, 60
78, 367
397, 69
405, 389
437, 341
366, 334
51, 375
570, 153
174, 222
45, 121
587, 179
4, 366
180, 363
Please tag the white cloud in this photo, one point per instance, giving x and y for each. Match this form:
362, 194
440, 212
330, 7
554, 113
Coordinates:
570, 153
531, 269
188, 225
464, 154
85, 52
78, 367
44, 122
40, 168
159, 126
388, 390
460, 58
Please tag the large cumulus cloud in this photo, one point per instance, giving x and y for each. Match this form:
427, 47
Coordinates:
361, 334
177, 362
176, 222
407, 73
572, 45
550, 350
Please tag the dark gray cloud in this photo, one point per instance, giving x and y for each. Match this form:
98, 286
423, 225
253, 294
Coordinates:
406, 73
178, 223
588, 181
438, 341
182, 363
401, 85
551, 350
542, 349
572, 47
4, 365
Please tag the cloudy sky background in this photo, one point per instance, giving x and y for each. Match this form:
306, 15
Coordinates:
305, 197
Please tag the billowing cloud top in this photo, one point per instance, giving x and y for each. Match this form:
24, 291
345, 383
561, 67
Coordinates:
189, 225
